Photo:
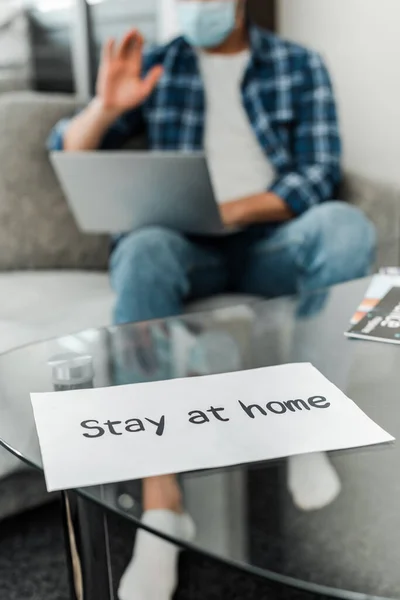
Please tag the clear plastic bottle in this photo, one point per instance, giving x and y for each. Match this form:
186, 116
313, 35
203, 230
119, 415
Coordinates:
72, 371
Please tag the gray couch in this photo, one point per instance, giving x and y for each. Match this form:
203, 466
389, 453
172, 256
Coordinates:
37, 229
38, 234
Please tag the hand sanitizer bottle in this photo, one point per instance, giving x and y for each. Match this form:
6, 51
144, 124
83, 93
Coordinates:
72, 371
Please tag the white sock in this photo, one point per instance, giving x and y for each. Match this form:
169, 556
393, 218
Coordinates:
152, 573
312, 481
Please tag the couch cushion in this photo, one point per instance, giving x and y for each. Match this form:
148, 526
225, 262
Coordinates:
37, 229
381, 203
37, 306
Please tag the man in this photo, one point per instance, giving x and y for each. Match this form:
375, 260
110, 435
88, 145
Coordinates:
264, 112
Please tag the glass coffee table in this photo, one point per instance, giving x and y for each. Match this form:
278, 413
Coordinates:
245, 516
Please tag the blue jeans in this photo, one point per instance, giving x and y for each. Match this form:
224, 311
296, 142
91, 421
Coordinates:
155, 271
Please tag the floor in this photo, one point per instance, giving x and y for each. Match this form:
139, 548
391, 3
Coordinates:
32, 565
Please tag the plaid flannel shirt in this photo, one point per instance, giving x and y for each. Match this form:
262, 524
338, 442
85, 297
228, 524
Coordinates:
288, 98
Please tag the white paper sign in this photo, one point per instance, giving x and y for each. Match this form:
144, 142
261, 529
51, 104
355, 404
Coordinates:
90, 437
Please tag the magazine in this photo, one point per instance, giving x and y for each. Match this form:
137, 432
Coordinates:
380, 286
381, 323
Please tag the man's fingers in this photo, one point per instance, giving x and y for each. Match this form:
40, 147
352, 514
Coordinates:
109, 49
136, 54
127, 43
152, 79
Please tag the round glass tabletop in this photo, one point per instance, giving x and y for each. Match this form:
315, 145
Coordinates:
251, 516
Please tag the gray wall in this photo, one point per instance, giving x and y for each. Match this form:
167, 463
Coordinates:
52, 36
51, 46
14, 49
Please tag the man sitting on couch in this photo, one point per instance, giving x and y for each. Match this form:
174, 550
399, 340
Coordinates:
264, 112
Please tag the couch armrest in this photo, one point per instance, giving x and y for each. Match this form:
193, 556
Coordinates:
381, 203
37, 229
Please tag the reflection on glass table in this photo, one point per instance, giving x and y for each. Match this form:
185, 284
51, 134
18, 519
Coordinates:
327, 524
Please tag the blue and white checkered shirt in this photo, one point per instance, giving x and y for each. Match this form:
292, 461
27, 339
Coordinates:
288, 98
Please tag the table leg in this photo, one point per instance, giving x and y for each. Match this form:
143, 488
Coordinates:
217, 501
88, 550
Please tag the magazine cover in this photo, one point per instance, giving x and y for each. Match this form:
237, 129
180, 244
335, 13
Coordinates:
382, 323
380, 286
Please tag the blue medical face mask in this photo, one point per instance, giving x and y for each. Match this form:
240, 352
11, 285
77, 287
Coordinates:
207, 24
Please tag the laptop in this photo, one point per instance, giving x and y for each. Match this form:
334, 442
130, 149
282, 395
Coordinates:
119, 192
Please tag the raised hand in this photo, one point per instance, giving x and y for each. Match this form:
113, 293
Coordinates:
120, 85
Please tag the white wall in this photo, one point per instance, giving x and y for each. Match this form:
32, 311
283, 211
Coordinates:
361, 41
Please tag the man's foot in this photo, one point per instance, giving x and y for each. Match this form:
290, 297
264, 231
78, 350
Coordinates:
312, 481
153, 571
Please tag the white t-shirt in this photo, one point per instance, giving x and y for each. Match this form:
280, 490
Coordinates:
238, 164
